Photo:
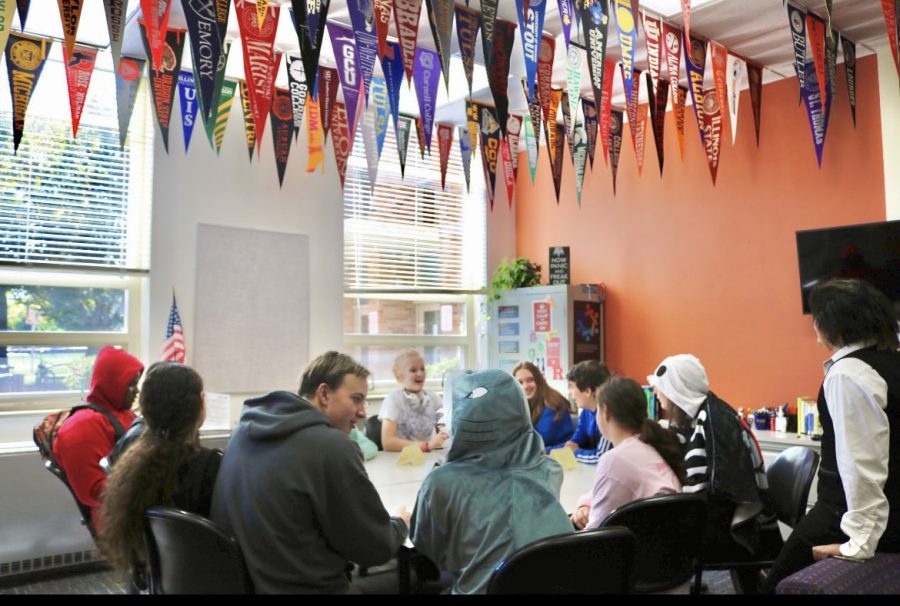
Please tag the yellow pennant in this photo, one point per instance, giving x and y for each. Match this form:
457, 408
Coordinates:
314, 136
262, 7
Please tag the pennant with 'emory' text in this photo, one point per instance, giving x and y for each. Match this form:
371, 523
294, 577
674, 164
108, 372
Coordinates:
247, 111
490, 147
383, 10
155, 15
79, 68
164, 81
498, 74
754, 77
595, 21
488, 23
340, 139
440, 18
25, 58
299, 90
115, 26
70, 15
615, 143
531, 24
315, 144
282, 117
712, 127
591, 123
427, 75
467, 23
736, 72
260, 61
849, 49
187, 96
216, 124
328, 87
465, 153
406, 18
695, 62
343, 43
557, 157
627, 28
404, 126
392, 68
445, 141
362, 18
206, 49
128, 79
370, 142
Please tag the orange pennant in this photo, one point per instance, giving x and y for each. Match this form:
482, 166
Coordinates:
70, 14
815, 28
315, 152
262, 7
720, 68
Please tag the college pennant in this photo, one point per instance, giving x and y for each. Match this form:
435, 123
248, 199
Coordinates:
163, 82
115, 25
7, 9
640, 131
754, 77
831, 49
392, 68
671, 46
695, 62
187, 97
467, 24
797, 20
217, 86
609, 71
815, 29
440, 18
545, 73
890, 8
498, 74
550, 123
299, 90
473, 122
595, 21
383, 10
653, 37
406, 18
657, 102
343, 43
404, 125
736, 71
370, 142
568, 123
488, 29
247, 111
328, 85
615, 143
282, 117
712, 127
445, 140
70, 15
627, 28
206, 49
513, 133
79, 68
686, 17
580, 158
631, 105
340, 139
216, 124
128, 78
557, 157
23, 5
849, 49
591, 123
315, 145
309, 20
420, 136
155, 15
379, 94
362, 19
465, 154
680, 98
427, 75
508, 174
573, 84
566, 15
818, 109
490, 146
25, 58
531, 24
719, 59
259, 63
532, 131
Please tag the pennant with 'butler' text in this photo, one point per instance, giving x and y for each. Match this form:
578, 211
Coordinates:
187, 95
382, 111
657, 102
445, 141
566, 17
340, 139
128, 80
490, 146
299, 90
343, 43
79, 68
849, 49
754, 77
406, 18
309, 23
315, 138
488, 23
392, 68
260, 62
557, 156
216, 124
531, 24
115, 26
362, 18
382, 10
467, 23
206, 49
615, 143
440, 18
70, 15
797, 20
465, 154
247, 112
712, 130
404, 126
427, 75
282, 117
163, 82
513, 133
595, 21
818, 109
736, 72
627, 28
25, 58
695, 62
328, 87
370, 142
156, 22
591, 123
498, 74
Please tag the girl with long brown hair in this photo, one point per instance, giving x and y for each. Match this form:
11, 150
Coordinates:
550, 410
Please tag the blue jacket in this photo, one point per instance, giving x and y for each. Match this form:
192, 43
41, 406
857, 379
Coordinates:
590, 440
554, 433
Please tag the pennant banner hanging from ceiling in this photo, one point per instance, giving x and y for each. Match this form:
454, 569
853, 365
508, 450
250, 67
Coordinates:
488, 24
573, 83
404, 126
550, 123
247, 112
566, 16
420, 136
545, 76
568, 123
215, 126
25, 58
309, 23
163, 82
627, 28
406, 18
187, 97
282, 117
299, 90
580, 159
513, 133
490, 146
671, 47
70, 15
79, 68
815, 29
370, 142
595, 21
115, 26
259, 63
609, 72
445, 141
473, 122
7, 9
220, 79
818, 109
657, 103
206, 48
849, 49
640, 131
362, 18
343, 43
156, 22
532, 131
736, 75
615, 143
686, 17
392, 68
591, 123
509, 178
719, 60
695, 62
262, 6
498, 74
754, 77
712, 127
531, 24
440, 18
128, 80
23, 5
427, 75
383, 10
328, 87
631, 105
223, 8
831, 49
653, 37
467, 23
382, 111
557, 157
315, 138
891, 8
340, 139
797, 20
465, 154
680, 98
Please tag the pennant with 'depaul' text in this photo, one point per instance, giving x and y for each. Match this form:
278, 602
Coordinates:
615, 143
297, 85
163, 82
465, 154
315, 144
128, 79
70, 15
467, 23
25, 58
440, 18
626, 26
343, 43
362, 18
427, 75
79, 68
445, 141
115, 26
695, 62
712, 131
849, 49
216, 124
736, 72
206, 49
328, 87
155, 15
489, 128
531, 24
260, 60
340, 139
406, 18
591, 124
498, 74
187, 96
282, 118
247, 112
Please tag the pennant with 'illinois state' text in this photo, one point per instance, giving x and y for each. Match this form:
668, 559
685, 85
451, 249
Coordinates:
513, 133
580, 158
671, 46
508, 174
406, 18
247, 112
891, 10
79, 68
155, 14
70, 15
164, 81
328, 86
818, 109
566, 17
216, 124
573, 83
712, 127
640, 136
23, 5
370, 142
736, 72
488, 24
627, 28
7, 10
440, 18
545, 74
615, 143
427, 75
657, 102
465, 154
404, 126
489, 127
362, 18
445, 141
653, 36
299, 90
340, 139
473, 122
206, 48
550, 122
259, 60
815, 29
498, 74
680, 98
695, 62
467, 23
591, 123
420, 136
315, 138
343, 43
557, 157
379, 94
797, 20
531, 24
686, 17
568, 123
187, 96
719, 60
849, 49
25, 58
382, 13
309, 23
392, 68
595, 21
631, 105
609, 70
754, 77
282, 117
128, 79
115, 26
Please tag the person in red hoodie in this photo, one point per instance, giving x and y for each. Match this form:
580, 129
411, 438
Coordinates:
87, 436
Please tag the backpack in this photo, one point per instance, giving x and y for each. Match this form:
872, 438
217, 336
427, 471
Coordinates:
45, 432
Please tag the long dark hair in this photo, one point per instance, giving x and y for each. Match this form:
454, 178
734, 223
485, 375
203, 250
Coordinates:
544, 395
850, 311
146, 475
625, 400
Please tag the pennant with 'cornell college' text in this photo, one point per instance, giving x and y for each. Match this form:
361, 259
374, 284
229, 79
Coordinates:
370, 142
406, 18
299, 90
498, 74
309, 23
531, 24
156, 21
627, 28
427, 75
128, 80
25, 58
383, 10
465, 153
557, 157
849, 49
216, 124
591, 123
187, 95
115, 26
328, 86
362, 18
445, 141
695, 62
754, 77
489, 127
595, 21
282, 117
712, 127
404, 125
343, 43
206, 49
163, 82
70, 15
260, 60
382, 111
440, 18
315, 145
79, 68
247, 111
615, 143
340, 139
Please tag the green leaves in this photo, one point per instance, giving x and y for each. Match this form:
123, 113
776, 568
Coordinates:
518, 273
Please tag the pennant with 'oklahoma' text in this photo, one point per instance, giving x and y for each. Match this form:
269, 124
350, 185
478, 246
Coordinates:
25, 58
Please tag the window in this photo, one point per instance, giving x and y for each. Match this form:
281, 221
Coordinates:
74, 236
414, 259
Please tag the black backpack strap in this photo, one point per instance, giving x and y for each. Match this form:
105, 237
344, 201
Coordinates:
116, 425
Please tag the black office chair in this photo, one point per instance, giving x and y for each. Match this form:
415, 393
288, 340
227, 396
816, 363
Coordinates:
373, 430
666, 530
188, 554
85, 511
789, 477
599, 561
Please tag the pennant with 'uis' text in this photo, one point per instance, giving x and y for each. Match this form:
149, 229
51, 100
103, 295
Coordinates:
427, 75
849, 49
445, 141
315, 138
340, 139
531, 24
557, 155
299, 90
70, 15
406, 18
328, 87
440, 18
404, 126
187, 95
465, 154
155, 15
627, 28
282, 117
343, 43
260, 62
754, 77
79, 68
115, 26
247, 111
128, 80
498, 74
164, 81
490, 147
615, 143
25, 58
215, 126
712, 127
467, 21
736, 74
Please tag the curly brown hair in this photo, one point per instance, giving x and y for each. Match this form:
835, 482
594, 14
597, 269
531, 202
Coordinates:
544, 395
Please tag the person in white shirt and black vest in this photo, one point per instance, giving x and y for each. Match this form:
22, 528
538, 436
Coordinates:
858, 508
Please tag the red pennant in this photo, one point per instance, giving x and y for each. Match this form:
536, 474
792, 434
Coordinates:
686, 16
406, 18
657, 105
70, 15
383, 9
420, 133
340, 139
259, 60
328, 87
671, 45
712, 131
815, 28
508, 172
79, 68
889, 8
720, 68
754, 77
164, 81
156, 21
609, 70
445, 140
513, 132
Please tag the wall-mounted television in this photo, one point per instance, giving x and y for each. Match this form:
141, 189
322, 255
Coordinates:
868, 251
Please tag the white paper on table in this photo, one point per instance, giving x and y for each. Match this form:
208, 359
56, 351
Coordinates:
218, 411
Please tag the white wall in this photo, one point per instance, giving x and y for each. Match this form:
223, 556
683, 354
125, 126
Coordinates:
889, 91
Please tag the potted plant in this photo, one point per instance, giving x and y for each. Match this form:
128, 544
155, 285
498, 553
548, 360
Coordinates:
518, 273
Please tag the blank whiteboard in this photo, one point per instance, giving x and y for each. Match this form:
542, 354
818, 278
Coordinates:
251, 309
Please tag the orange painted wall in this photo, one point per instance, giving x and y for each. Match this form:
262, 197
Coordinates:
713, 270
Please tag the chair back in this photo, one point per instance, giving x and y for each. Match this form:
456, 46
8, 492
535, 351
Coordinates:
188, 554
590, 562
790, 477
373, 430
667, 532
85, 511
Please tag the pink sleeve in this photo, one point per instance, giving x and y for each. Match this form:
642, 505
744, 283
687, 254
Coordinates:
608, 494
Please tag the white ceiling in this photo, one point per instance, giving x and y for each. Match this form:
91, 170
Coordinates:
755, 29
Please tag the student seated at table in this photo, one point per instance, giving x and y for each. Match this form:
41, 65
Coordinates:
496, 492
647, 460
585, 378
164, 466
549, 409
409, 415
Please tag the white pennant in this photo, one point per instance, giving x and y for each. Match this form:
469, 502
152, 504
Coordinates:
735, 78
370, 139
573, 82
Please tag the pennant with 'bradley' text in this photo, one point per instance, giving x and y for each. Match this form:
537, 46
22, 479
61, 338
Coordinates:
190, 107
79, 68
282, 117
406, 18
164, 81
25, 58
128, 80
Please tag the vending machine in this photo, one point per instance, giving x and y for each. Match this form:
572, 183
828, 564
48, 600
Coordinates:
554, 327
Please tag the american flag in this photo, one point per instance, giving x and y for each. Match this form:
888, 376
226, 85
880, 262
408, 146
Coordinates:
173, 349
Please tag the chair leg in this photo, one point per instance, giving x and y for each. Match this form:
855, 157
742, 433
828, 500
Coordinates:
698, 581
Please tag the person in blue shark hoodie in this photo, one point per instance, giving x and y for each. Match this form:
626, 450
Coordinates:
550, 410
496, 492
585, 378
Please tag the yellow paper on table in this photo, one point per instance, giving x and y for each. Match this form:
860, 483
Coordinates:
413, 456
565, 457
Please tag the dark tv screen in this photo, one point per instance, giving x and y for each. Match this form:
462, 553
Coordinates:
869, 251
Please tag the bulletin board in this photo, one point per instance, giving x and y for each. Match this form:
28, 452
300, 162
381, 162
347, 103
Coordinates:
251, 309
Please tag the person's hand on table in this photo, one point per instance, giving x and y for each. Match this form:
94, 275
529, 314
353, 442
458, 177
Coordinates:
580, 517
437, 441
